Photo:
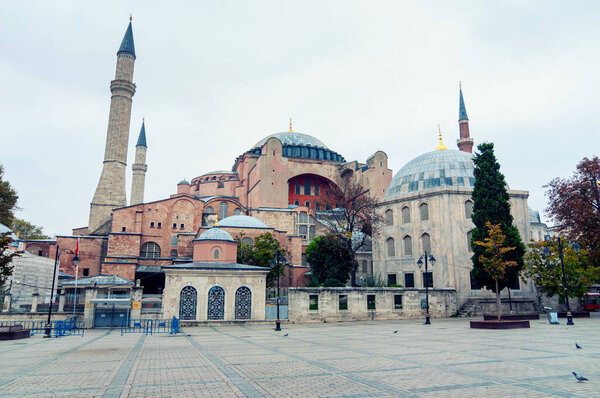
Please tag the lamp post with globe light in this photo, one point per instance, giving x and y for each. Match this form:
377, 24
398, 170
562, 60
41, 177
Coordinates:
428, 259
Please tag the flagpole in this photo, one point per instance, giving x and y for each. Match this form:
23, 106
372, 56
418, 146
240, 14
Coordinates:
75, 299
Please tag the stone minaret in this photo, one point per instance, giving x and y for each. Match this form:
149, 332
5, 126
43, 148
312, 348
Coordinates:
465, 142
139, 168
110, 192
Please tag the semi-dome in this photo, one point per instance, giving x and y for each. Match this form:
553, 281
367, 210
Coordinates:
447, 168
4, 229
299, 145
215, 233
242, 221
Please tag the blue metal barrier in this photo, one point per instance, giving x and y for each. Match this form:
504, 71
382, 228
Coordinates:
68, 327
150, 326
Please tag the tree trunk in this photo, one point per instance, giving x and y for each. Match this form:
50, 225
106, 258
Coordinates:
498, 301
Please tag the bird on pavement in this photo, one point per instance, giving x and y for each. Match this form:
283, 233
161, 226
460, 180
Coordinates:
578, 346
579, 378
395, 331
285, 335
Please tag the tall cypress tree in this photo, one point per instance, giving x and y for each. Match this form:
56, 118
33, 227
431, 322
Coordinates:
490, 203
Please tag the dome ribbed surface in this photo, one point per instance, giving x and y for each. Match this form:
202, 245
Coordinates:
215, 233
242, 221
433, 170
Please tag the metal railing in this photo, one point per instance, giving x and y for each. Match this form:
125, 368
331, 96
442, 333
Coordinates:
68, 327
150, 326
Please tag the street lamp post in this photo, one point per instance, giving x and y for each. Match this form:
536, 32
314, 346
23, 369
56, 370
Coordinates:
564, 277
56, 260
278, 258
427, 257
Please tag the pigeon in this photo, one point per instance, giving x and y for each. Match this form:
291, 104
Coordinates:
579, 378
578, 346
285, 335
395, 331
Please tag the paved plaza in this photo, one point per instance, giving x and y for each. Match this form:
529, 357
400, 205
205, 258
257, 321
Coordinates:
361, 359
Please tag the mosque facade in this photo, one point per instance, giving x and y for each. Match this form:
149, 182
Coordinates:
279, 185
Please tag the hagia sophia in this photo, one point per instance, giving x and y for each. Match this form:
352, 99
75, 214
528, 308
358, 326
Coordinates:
279, 185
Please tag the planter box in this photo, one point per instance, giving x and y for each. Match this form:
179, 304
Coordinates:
584, 314
512, 317
500, 324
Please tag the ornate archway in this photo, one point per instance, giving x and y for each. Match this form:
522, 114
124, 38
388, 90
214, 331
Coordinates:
188, 299
216, 303
243, 303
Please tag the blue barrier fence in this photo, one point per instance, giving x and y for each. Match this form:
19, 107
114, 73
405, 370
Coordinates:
150, 326
68, 327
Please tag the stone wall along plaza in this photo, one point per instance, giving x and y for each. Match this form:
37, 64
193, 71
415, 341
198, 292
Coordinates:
321, 304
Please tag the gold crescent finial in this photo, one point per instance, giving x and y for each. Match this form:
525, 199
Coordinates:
291, 130
217, 221
441, 146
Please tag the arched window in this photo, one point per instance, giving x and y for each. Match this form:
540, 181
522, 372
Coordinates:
364, 266
303, 217
297, 202
468, 209
307, 204
389, 217
407, 243
150, 250
426, 242
237, 211
209, 210
216, 254
243, 303
469, 237
247, 241
188, 298
424, 211
216, 303
311, 232
223, 210
405, 215
391, 249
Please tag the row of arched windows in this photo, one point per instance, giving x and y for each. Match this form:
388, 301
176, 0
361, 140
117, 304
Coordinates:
188, 303
407, 245
423, 213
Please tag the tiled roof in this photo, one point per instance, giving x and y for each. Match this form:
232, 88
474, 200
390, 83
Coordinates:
100, 280
217, 266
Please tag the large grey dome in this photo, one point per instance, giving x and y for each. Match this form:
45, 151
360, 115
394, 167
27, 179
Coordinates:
299, 145
242, 221
435, 169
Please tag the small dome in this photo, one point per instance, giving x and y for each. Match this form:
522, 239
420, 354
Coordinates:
534, 216
242, 221
448, 168
215, 233
183, 182
5, 229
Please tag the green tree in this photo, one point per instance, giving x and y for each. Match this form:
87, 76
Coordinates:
493, 258
8, 200
491, 203
542, 264
331, 258
260, 253
26, 230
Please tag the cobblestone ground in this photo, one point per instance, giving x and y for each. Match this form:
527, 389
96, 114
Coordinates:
362, 359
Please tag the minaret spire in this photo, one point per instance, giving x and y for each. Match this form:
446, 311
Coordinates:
465, 142
139, 168
110, 192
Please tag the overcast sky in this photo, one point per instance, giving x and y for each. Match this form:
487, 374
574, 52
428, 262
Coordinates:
214, 77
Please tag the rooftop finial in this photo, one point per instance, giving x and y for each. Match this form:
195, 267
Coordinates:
217, 221
130, 17
441, 146
459, 85
291, 130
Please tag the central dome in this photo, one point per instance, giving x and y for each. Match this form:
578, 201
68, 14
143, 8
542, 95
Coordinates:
433, 170
299, 145
293, 139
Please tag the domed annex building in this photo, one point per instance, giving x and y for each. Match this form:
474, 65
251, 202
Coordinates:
427, 208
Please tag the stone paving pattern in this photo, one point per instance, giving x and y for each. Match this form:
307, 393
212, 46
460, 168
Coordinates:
360, 359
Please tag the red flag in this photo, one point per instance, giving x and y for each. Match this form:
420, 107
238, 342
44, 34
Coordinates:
77, 248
